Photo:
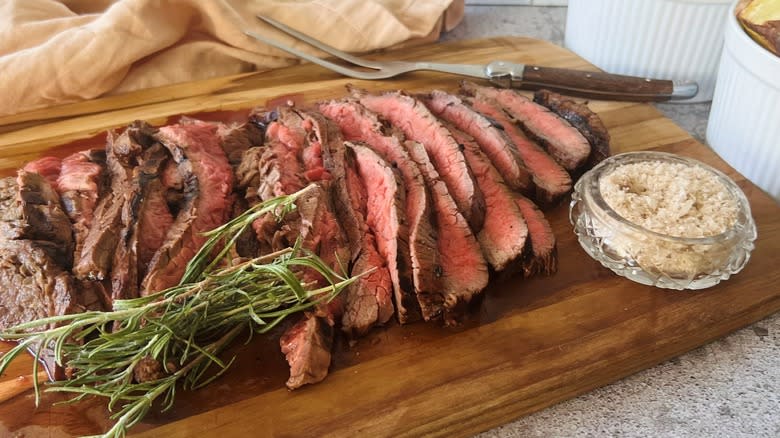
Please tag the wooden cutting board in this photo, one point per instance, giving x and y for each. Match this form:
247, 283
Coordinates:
530, 344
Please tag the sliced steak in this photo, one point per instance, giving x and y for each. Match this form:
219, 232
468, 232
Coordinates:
154, 220
122, 152
47, 167
562, 141
10, 214
489, 136
40, 217
503, 238
208, 180
81, 182
34, 285
462, 271
270, 171
581, 117
384, 217
359, 124
306, 346
418, 124
543, 258
552, 181
369, 300
140, 234
235, 138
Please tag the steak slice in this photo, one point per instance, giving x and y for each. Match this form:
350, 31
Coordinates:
543, 257
418, 124
81, 182
359, 124
463, 272
488, 135
234, 138
384, 217
306, 346
551, 180
369, 300
140, 234
208, 180
122, 152
581, 117
47, 167
503, 238
562, 141
34, 285
39, 216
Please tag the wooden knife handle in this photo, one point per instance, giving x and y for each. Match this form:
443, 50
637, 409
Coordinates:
599, 85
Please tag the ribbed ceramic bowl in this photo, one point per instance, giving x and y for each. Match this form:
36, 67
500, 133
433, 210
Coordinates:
665, 39
744, 122
653, 258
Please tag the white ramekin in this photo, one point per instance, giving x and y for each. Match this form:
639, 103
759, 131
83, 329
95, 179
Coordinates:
665, 39
744, 123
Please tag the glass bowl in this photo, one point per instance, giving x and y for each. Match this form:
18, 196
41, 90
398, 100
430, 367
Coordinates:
653, 258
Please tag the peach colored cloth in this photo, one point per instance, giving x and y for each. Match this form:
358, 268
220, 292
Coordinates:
54, 52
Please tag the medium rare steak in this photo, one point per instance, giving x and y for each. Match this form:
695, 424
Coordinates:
359, 124
208, 183
369, 300
462, 271
562, 141
489, 136
543, 258
503, 238
39, 216
418, 124
234, 138
122, 152
306, 346
581, 117
81, 182
551, 180
270, 171
143, 224
47, 167
384, 217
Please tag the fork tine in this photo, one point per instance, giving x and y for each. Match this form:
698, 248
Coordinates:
320, 45
319, 61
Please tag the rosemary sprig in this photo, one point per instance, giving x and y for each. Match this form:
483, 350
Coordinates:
180, 331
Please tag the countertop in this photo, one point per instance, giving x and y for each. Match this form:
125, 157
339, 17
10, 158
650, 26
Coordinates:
729, 388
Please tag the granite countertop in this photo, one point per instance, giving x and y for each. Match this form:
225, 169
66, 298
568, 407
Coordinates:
729, 388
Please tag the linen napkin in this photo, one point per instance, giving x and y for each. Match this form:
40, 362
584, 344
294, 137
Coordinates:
54, 52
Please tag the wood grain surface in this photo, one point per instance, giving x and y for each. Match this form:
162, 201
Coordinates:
530, 343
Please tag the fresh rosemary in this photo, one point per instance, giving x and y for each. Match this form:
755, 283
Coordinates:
181, 330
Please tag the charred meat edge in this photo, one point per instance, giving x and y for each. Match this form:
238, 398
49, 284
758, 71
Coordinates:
563, 141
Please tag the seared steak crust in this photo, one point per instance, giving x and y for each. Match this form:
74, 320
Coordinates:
122, 152
581, 117
41, 216
559, 138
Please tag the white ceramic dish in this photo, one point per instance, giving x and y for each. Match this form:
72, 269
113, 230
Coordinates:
665, 39
744, 122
